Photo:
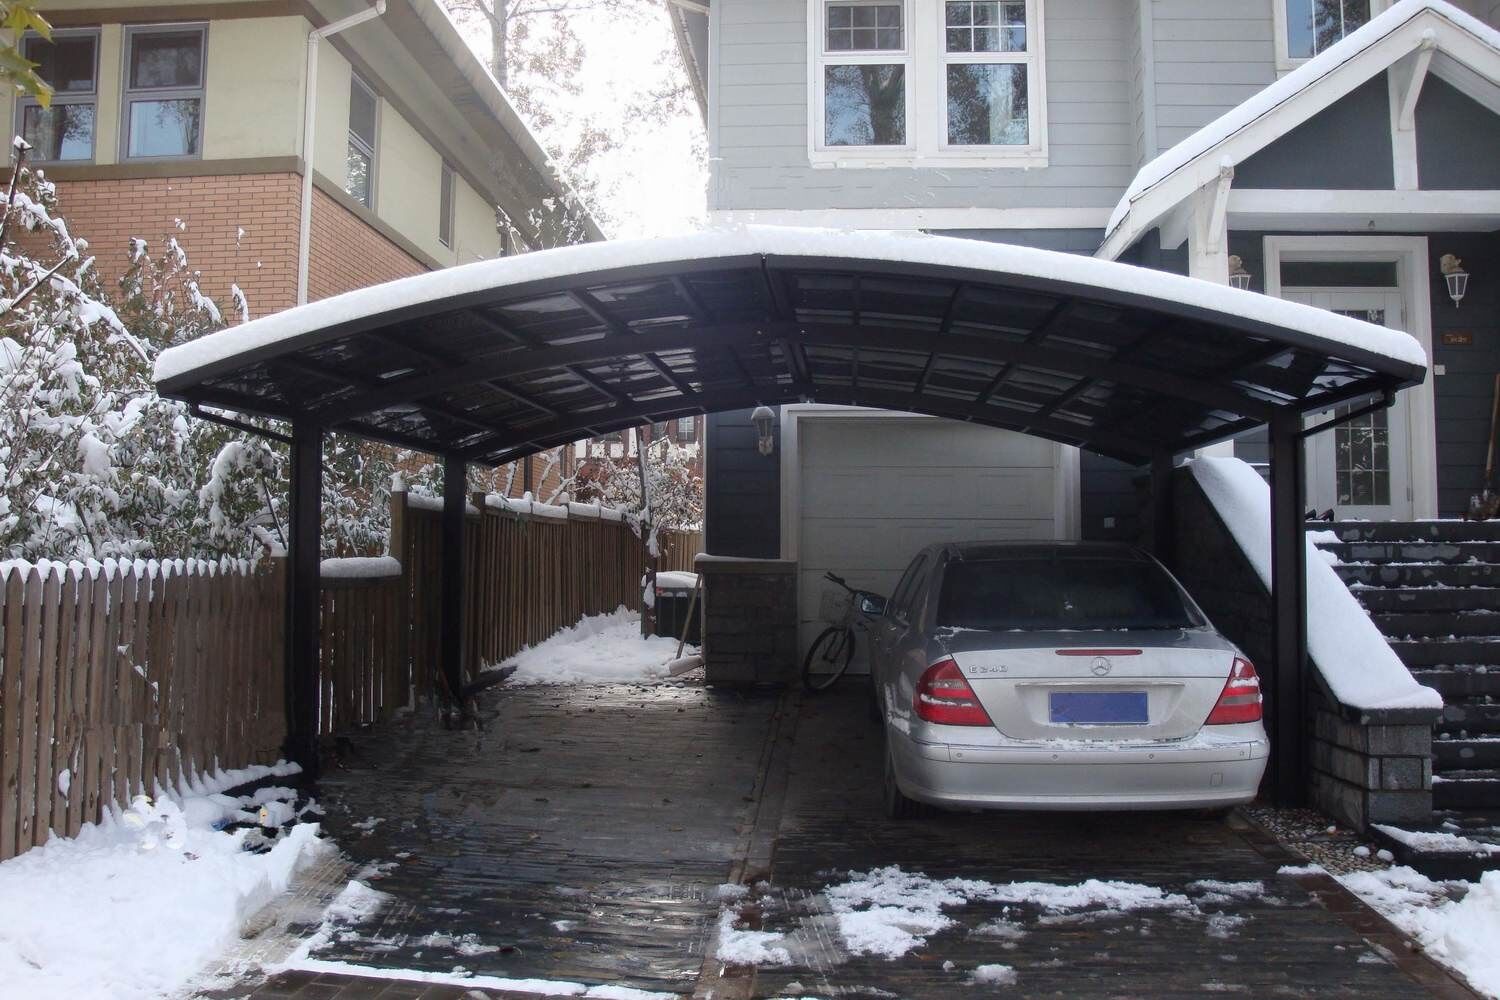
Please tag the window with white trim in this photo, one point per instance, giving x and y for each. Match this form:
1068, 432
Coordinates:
900, 81
69, 64
1307, 27
364, 106
163, 91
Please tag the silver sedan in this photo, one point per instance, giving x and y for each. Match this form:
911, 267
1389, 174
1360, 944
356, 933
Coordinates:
1059, 676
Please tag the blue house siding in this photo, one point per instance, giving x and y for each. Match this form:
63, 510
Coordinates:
1465, 395
742, 490
1446, 121
1357, 126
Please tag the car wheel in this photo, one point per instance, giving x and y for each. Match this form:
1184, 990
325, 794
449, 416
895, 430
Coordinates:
897, 805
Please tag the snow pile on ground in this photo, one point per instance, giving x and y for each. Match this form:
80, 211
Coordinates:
136, 905
747, 947
1436, 840
600, 649
1461, 934
1350, 653
994, 975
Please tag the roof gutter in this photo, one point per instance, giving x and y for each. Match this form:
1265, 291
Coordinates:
309, 129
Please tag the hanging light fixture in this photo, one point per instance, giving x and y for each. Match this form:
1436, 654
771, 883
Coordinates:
1456, 277
764, 419
1238, 276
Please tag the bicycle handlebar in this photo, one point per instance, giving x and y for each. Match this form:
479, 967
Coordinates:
838, 580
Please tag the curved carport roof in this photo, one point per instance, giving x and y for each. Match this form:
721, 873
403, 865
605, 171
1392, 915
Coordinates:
495, 360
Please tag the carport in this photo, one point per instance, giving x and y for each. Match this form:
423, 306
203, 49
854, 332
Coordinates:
493, 361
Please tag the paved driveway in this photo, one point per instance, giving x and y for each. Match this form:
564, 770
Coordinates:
585, 833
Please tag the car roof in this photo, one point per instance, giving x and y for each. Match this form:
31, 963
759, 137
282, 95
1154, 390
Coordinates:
1000, 550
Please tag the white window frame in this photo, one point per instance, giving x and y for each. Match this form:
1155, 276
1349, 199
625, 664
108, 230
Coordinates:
90, 98
446, 216
371, 149
1284, 60
128, 95
926, 59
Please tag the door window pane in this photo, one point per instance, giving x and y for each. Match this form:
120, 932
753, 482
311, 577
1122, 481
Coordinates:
166, 59
987, 104
164, 128
66, 62
864, 105
864, 27
1362, 446
1314, 25
975, 26
61, 132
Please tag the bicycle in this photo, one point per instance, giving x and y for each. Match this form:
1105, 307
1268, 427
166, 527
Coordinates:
833, 650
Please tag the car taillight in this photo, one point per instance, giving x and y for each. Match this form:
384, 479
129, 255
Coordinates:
1240, 699
944, 697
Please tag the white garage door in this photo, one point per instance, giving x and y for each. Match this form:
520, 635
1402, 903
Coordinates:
874, 491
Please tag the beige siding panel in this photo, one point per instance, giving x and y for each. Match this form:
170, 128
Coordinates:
254, 87
407, 173
331, 136
475, 236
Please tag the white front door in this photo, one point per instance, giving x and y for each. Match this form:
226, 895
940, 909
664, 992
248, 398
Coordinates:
1361, 469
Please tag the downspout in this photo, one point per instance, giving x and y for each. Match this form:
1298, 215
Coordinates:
309, 115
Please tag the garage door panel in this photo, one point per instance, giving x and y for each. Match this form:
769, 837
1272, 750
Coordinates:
841, 444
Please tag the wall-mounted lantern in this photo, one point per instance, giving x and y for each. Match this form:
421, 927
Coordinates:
1238, 276
1456, 277
764, 419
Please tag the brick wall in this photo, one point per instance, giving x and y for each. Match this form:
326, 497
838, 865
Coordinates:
749, 621
347, 253
108, 213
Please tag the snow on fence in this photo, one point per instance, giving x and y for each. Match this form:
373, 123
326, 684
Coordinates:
118, 676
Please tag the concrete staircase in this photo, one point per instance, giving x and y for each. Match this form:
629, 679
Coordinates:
1433, 588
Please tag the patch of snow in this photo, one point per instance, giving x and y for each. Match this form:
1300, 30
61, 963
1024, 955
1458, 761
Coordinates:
994, 975
1425, 840
223, 349
676, 580
360, 568
600, 649
539, 987
1460, 934
1349, 651
747, 947
1295, 870
137, 904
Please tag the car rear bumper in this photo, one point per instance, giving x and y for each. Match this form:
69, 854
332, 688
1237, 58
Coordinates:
1194, 774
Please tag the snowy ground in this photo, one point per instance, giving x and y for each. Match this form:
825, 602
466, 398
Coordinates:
600, 649
1457, 923
137, 905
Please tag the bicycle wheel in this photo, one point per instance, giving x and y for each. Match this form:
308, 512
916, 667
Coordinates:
828, 658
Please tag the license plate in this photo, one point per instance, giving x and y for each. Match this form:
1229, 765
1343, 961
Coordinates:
1098, 708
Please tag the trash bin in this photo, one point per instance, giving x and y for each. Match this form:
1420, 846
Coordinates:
674, 595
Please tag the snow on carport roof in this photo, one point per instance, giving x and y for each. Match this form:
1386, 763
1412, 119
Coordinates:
500, 358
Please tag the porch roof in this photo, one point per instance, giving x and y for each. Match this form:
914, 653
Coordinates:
496, 360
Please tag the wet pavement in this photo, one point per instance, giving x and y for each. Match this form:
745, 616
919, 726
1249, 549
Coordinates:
583, 834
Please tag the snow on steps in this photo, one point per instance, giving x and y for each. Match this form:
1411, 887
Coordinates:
1433, 589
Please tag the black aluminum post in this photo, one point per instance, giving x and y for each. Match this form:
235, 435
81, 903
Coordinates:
455, 503
303, 600
1286, 694
1163, 527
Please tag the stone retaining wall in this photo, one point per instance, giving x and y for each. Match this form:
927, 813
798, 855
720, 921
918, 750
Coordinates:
749, 620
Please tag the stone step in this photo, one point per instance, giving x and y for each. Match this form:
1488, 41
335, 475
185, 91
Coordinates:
1408, 552
1423, 574
1439, 623
1456, 683
1438, 652
1470, 715
1475, 789
1410, 531
1428, 599
1455, 754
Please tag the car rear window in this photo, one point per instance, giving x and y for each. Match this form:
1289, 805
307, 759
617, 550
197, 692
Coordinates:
1068, 593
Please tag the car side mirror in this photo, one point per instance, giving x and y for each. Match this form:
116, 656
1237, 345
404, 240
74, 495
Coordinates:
872, 604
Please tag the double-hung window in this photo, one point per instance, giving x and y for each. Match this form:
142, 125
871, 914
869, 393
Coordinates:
1307, 27
163, 91
69, 64
898, 82
363, 111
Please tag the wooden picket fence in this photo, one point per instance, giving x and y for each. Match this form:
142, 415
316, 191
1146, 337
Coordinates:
125, 676
678, 549
119, 677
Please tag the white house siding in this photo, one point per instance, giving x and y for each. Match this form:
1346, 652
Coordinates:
1209, 57
760, 129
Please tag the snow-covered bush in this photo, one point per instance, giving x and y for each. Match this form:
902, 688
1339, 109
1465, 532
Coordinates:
676, 488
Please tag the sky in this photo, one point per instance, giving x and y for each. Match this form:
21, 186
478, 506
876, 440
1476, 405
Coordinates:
654, 184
